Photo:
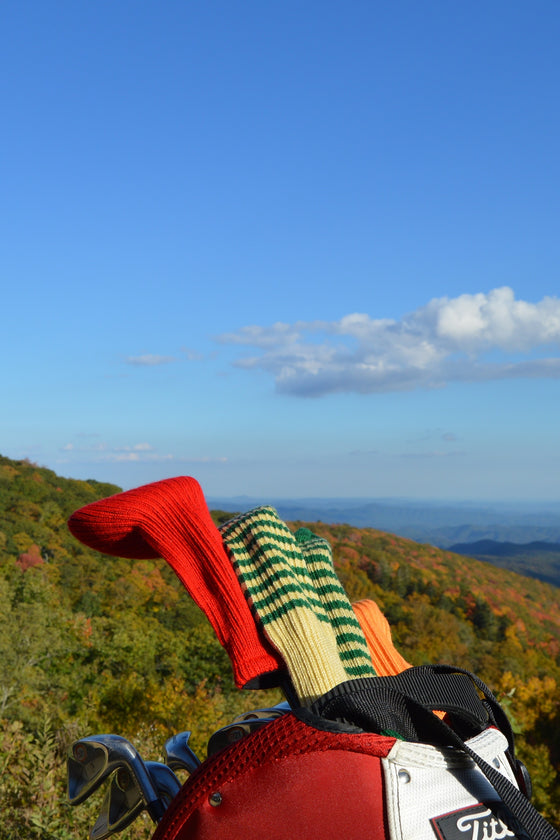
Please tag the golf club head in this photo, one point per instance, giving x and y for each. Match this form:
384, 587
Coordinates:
91, 760
124, 801
269, 713
234, 732
178, 754
166, 782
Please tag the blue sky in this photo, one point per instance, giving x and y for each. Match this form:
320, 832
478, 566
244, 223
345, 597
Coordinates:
296, 249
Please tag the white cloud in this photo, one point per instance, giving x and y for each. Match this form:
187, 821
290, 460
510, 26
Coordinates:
263, 336
154, 359
102, 452
192, 355
434, 453
434, 434
204, 459
149, 360
120, 456
136, 453
447, 340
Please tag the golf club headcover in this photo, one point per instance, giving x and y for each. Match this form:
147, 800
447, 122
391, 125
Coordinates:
350, 639
170, 519
274, 575
386, 659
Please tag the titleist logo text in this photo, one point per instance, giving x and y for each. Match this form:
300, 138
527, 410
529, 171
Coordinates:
482, 828
479, 822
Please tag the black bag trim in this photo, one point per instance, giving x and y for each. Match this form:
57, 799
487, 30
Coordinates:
370, 703
324, 724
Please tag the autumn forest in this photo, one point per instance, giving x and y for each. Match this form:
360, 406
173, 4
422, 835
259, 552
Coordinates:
94, 644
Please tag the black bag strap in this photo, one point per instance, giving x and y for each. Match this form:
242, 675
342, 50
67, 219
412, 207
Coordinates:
524, 814
403, 705
371, 703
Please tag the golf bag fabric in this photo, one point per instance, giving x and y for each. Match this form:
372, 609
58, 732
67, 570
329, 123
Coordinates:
319, 774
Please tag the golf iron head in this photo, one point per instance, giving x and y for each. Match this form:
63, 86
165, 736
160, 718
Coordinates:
91, 760
243, 725
234, 732
124, 801
166, 782
268, 713
178, 754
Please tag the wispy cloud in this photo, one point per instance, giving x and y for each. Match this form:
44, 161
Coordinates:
433, 453
434, 434
150, 360
155, 360
204, 459
102, 452
192, 355
464, 339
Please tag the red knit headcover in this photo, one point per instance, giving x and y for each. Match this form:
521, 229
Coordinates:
170, 519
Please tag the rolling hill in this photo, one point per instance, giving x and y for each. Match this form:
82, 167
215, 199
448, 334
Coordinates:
90, 643
439, 523
540, 560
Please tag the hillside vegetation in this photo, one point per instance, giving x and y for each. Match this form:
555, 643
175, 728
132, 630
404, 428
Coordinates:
96, 644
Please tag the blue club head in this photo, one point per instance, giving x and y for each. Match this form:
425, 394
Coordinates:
178, 754
124, 801
91, 760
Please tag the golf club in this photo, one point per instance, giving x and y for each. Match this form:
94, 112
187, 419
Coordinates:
243, 725
123, 801
269, 713
234, 732
166, 782
91, 760
178, 754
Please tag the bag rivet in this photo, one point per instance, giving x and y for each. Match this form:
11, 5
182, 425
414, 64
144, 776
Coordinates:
404, 777
215, 799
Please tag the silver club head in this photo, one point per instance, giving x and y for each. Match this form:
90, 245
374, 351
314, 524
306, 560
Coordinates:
178, 754
233, 732
91, 760
123, 801
268, 713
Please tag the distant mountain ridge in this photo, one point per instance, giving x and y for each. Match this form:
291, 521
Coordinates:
540, 560
438, 523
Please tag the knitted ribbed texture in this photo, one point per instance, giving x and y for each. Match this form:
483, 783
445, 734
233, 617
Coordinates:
350, 639
386, 659
170, 519
274, 574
